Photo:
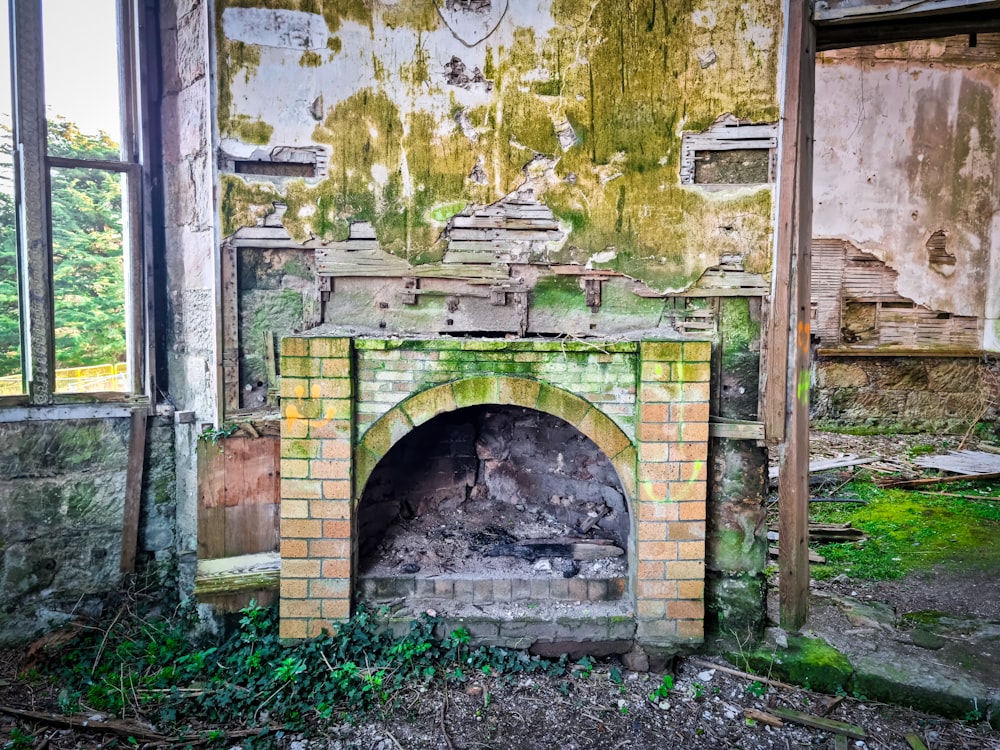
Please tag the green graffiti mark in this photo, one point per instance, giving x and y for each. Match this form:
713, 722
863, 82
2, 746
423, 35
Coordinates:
803, 388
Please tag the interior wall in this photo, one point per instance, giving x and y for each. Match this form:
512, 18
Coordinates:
62, 496
190, 330
906, 164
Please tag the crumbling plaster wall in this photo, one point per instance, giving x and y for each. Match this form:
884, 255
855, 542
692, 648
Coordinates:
906, 146
191, 247
422, 112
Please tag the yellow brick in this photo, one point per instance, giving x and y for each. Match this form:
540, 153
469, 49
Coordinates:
652, 531
329, 469
294, 548
298, 608
294, 588
302, 489
300, 569
294, 508
340, 548
686, 609
301, 528
292, 629
337, 609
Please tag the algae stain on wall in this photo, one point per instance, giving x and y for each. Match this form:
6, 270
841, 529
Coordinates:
581, 103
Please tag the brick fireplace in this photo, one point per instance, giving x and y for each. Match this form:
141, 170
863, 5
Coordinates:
345, 402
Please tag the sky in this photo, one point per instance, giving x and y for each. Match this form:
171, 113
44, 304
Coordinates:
81, 63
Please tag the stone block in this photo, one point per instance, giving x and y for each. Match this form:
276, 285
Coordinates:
606, 434
476, 391
519, 391
562, 404
429, 403
464, 591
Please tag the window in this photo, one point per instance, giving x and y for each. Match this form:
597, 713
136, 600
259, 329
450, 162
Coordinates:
71, 187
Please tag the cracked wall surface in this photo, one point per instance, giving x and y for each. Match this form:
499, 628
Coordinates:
905, 167
582, 104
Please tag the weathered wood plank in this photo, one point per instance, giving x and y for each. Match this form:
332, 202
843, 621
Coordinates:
962, 462
737, 430
229, 574
133, 489
819, 722
790, 405
823, 464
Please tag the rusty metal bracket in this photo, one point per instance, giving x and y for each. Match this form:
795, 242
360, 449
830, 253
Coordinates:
408, 295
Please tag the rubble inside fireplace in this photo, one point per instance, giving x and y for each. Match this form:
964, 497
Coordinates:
495, 508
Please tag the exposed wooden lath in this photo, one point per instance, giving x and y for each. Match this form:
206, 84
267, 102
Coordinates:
848, 283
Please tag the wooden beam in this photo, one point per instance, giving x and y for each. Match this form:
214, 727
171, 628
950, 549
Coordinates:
33, 206
230, 370
133, 489
789, 336
893, 30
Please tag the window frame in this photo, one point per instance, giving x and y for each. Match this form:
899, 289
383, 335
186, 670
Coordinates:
33, 166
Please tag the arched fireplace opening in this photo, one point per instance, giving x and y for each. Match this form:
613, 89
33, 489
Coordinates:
503, 503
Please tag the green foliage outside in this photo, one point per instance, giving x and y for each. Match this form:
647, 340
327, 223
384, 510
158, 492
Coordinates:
88, 271
147, 666
911, 530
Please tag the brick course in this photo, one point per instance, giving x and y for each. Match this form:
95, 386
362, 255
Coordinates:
345, 402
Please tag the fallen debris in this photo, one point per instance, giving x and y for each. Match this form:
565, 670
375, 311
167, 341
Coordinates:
537, 548
814, 557
824, 464
818, 722
763, 717
907, 483
962, 462
825, 532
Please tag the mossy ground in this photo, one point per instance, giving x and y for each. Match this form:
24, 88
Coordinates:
910, 530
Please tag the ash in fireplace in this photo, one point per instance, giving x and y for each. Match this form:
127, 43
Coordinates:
498, 491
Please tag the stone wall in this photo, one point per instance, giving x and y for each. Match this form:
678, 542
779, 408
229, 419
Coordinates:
644, 404
910, 394
62, 491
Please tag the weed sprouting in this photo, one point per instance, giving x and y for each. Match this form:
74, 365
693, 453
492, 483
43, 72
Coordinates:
149, 667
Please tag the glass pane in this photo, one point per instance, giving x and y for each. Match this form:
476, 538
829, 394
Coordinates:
88, 253
10, 309
82, 83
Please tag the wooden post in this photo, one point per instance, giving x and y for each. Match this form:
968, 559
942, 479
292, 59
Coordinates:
787, 387
133, 489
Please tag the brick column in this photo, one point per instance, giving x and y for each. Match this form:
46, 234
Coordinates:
672, 437
317, 426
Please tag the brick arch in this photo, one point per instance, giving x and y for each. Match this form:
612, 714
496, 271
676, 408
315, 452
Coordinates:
500, 391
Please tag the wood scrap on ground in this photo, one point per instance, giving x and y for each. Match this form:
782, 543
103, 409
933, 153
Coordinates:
819, 722
962, 462
907, 483
77, 722
814, 557
763, 717
824, 464
826, 532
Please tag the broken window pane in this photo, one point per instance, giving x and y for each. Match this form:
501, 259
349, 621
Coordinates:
82, 83
743, 166
89, 266
10, 327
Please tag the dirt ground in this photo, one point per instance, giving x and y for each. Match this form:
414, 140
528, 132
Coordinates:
608, 709
707, 708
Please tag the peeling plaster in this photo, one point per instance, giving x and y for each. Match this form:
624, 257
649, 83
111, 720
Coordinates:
582, 102
906, 149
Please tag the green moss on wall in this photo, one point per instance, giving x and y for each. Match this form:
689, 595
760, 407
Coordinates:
310, 59
250, 131
242, 204
623, 75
